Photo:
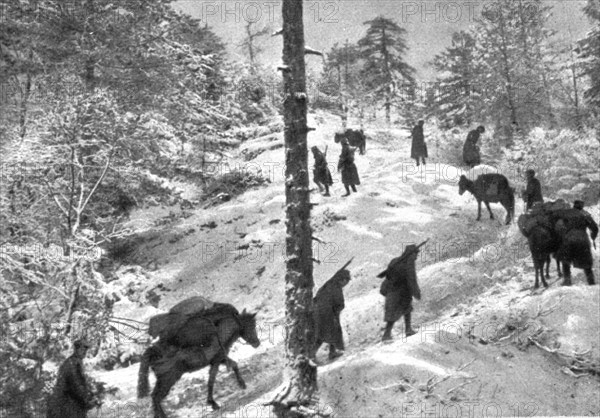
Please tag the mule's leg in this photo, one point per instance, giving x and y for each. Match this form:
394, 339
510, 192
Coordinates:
478, 209
236, 370
536, 267
212, 375
567, 274
163, 385
545, 261
558, 268
589, 275
509, 215
487, 205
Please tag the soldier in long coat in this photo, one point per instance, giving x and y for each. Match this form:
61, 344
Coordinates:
471, 155
71, 397
399, 287
321, 173
348, 168
533, 192
572, 225
418, 150
327, 305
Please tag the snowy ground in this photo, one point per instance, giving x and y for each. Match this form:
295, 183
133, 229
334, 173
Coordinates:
480, 320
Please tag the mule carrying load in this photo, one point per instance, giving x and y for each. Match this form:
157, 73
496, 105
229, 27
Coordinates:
194, 334
197, 312
566, 228
540, 214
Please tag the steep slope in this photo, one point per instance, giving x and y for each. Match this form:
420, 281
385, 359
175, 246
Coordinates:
470, 273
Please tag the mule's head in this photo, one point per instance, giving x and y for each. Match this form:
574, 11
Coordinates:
248, 331
462, 184
338, 137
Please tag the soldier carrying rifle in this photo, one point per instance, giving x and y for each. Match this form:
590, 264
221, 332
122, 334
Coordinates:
399, 287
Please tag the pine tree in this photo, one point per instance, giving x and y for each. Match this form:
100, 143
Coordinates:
341, 76
511, 40
385, 70
457, 91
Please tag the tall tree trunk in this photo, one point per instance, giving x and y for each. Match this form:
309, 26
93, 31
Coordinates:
388, 74
509, 87
300, 372
24, 104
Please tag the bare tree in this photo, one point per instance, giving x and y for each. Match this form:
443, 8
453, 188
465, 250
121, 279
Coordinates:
249, 43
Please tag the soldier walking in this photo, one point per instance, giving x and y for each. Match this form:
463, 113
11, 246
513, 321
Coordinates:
571, 225
321, 173
348, 168
398, 288
471, 155
328, 305
71, 397
418, 150
533, 192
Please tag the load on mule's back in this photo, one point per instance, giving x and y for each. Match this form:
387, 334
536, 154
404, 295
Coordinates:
536, 226
356, 138
490, 188
194, 334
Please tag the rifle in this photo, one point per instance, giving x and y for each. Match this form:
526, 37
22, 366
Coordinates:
344, 266
402, 258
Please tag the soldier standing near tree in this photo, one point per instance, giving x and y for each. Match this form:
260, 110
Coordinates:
399, 287
71, 397
321, 173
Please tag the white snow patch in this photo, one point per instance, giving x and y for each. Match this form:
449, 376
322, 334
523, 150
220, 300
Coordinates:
476, 171
396, 358
405, 215
573, 321
262, 235
277, 199
361, 230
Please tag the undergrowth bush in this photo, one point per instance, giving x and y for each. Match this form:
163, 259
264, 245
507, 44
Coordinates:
566, 162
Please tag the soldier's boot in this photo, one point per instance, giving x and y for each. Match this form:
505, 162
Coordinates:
387, 335
408, 329
333, 353
347, 190
589, 275
417, 160
566, 275
353, 188
424, 163
327, 190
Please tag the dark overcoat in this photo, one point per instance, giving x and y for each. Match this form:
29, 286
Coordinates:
571, 225
399, 287
533, 192
471, 156
347, 166
419, 147
321, 173
71, 397
327, 305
